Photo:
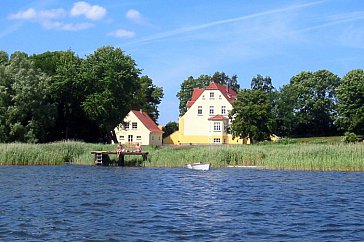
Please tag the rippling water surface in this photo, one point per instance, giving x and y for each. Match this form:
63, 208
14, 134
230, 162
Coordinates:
82, 203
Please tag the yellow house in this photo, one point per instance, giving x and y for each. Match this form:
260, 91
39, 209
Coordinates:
206, 120
138, 127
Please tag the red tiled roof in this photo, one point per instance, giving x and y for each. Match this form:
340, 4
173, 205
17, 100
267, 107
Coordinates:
195, 95
147, 121
218, 118
227, 91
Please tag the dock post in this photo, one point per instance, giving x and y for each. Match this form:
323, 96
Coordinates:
121, 160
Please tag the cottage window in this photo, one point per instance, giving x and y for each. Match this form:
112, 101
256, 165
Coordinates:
121, 137
134, 125
217, 126
199, 110
217, 141
139, 137
126, 126
223, 110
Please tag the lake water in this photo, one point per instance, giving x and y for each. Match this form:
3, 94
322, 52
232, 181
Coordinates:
84, 203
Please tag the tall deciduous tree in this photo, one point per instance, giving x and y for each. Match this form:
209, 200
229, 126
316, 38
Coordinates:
251, 115
351, 102
148, 97
26, 91
309, 100
110, 82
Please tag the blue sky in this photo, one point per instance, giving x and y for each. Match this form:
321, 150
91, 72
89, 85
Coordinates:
171, 40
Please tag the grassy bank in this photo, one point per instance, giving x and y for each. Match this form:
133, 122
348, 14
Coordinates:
296, 156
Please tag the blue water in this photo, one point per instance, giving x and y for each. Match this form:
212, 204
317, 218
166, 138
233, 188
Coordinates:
83, 203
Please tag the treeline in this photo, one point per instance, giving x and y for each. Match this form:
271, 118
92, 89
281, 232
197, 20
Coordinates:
58, 95
312, 104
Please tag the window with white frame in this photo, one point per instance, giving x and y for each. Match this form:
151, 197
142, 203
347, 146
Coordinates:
211, 112
139, 137
217, 141
126, 126
121, 137
223, 110
212, 95
134, 125
130, 138
217, 126
199, 110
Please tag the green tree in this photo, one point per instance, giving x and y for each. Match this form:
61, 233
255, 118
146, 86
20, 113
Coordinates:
4, 57
351, 102
251, 115
110, 82
170, 128
25, 90
252, 111
148, 97
308, 104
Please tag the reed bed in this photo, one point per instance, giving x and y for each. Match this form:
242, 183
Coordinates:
48, 154
322, 157
297, 156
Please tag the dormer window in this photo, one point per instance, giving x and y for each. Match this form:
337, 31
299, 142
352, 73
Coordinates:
212, 95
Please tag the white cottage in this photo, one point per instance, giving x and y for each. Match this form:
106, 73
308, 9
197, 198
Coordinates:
138, 127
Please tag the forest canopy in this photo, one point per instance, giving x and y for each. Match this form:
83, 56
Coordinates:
58, 95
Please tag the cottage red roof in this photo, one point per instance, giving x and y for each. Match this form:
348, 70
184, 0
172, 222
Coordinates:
147, 121
227, 91
218, 118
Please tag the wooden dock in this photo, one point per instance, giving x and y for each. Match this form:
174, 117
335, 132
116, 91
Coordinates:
100, 156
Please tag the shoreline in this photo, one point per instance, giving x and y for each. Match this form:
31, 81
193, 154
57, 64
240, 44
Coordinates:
299, 156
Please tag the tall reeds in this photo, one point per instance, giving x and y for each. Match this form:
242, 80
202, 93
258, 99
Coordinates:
323, 157
296, 156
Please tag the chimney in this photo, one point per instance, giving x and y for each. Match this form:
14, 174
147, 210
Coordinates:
141, 111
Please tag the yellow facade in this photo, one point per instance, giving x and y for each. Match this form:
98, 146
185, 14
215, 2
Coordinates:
205, 122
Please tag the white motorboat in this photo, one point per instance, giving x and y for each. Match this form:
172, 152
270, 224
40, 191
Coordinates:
199, 166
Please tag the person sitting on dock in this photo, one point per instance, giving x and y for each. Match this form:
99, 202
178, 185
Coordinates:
138, 148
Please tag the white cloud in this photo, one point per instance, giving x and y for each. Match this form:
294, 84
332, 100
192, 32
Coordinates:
66, 26
93, 12
32, 14
122, 33
134, 15
48, 18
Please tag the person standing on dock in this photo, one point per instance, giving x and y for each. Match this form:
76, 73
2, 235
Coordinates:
119, 150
